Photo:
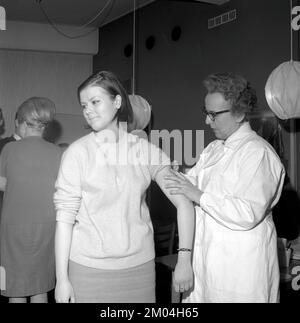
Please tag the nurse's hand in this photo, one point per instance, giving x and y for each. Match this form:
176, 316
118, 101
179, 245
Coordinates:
177, 183
183, 273
64, 292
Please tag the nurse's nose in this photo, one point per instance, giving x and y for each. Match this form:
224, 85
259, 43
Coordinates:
208, 120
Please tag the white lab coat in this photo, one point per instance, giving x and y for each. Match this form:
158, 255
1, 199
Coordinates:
235, 251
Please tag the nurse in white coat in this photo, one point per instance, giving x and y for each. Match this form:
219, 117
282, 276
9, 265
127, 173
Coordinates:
238, 179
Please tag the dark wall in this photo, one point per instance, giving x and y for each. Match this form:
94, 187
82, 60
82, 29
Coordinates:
169, 75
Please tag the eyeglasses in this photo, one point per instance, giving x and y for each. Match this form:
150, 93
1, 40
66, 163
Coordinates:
212, 115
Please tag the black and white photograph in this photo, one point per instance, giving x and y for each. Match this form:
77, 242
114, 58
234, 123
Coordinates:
149, 154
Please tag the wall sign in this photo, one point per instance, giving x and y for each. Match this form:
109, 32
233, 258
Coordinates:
296, 19
2, 19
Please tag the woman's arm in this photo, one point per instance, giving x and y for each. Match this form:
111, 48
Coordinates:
177, 183
63, 236
183, 274
67, 199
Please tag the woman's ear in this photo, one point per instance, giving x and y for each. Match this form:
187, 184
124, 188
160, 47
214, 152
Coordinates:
118, 101
240, 117
22, 129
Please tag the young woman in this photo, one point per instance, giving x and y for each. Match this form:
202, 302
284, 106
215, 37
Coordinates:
104, 235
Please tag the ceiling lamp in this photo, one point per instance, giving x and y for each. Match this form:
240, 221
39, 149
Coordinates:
282, 89
141, 112
141, 108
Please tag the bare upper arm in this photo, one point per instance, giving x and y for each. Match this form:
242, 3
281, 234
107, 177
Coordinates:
176, 200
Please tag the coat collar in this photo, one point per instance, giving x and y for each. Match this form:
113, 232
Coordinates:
242, 133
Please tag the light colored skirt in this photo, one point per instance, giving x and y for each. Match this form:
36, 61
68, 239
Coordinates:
133, 285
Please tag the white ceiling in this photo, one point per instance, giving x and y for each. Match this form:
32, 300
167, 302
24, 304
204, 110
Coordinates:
69, 12
76, 12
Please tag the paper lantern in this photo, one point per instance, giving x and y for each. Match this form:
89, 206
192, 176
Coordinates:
282, 90
1, 118
141, 113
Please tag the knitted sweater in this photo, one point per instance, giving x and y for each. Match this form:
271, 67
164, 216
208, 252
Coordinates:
101, 189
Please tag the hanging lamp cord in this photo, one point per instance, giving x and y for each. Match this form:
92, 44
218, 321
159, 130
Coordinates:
134, 47
291, 4
107, 7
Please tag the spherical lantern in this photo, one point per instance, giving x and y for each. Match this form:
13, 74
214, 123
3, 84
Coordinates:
1, 119
141, 112
282, 90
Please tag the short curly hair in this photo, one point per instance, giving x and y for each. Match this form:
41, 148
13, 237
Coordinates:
235, 89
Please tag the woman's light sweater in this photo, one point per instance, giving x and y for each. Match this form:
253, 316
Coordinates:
101, 189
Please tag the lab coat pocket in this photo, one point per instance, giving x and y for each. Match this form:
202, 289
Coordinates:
234, 263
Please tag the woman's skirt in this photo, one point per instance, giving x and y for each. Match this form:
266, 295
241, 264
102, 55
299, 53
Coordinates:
132, 285
27, 256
